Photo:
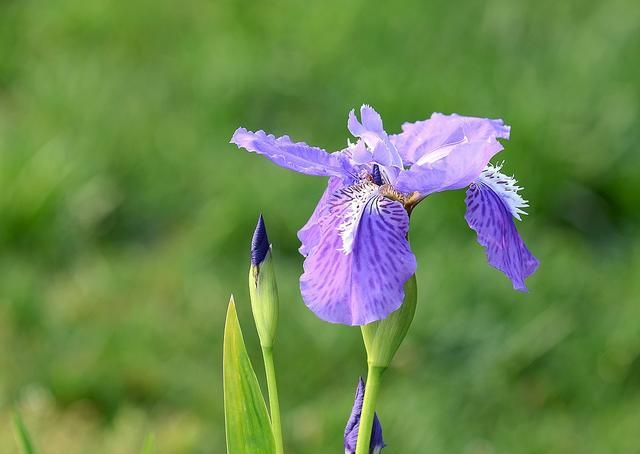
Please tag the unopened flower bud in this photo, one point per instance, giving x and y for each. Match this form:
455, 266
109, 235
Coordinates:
376, 443
262, 286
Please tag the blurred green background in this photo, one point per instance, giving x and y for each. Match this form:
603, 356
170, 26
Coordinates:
126, 217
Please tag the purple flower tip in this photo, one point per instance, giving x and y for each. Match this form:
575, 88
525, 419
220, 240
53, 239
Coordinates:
376, 443
259, 243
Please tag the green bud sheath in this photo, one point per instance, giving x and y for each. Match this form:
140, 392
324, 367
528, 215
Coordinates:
383, 338
263, 291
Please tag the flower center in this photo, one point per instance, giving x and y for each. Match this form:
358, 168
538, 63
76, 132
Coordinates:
387, 190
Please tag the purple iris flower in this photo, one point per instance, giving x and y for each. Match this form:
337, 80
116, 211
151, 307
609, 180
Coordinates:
376, 443
355, 243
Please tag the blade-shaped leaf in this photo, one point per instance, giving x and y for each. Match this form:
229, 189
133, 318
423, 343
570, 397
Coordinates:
247, 421
149, 445
23, 435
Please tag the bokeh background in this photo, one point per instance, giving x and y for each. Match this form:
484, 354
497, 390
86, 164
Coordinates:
125, 219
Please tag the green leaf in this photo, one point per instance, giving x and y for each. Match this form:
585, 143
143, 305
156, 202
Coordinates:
23, 435
149, 445
247, 421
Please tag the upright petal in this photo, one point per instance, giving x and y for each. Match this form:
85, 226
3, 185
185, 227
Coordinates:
447, 151
299, 156
360, 155
376, 443
372, 133
492, 203
356, 272
371, 119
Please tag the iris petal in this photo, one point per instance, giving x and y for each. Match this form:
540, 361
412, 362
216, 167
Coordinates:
310, 234
446, 151
489, 214
372, 133
371, 119
356, 272
299, 156
430, 137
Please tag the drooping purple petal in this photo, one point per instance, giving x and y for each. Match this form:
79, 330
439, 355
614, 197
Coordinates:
491, 207
309, 235
356, 272
446, 151
299, 156
376, 443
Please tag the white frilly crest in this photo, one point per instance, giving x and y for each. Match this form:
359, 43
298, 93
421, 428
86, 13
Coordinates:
506, 187
354, 200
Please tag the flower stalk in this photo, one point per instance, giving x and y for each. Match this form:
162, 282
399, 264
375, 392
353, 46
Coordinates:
374, 376
382, 340
274, 403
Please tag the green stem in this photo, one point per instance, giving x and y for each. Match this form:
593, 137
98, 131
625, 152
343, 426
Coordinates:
274, 405
368, 408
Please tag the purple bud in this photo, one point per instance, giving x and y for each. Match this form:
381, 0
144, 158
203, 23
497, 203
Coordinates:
259, 243
376, 443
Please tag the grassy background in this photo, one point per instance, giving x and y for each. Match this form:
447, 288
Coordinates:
125, 219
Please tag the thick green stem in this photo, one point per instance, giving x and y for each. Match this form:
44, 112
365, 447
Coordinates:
274, 405
372, 389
